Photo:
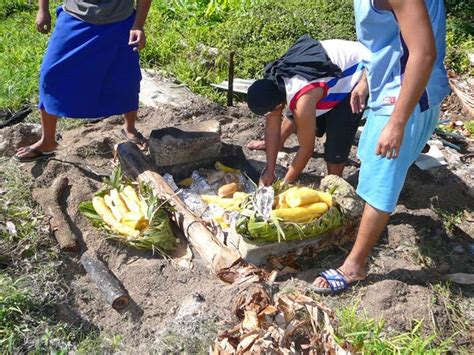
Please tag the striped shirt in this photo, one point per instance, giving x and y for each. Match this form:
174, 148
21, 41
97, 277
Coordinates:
348, 56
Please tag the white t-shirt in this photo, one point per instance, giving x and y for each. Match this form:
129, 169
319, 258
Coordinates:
348, 56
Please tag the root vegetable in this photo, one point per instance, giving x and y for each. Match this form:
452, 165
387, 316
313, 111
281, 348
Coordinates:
227, 190
225, 169
115, 210
229, 204
114, 194
134, 220
302, 196
301, 214
132, 205
106, 215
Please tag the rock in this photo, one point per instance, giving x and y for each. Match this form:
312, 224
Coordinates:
20, 135
191, 306
351, 204
179, 150
156, 92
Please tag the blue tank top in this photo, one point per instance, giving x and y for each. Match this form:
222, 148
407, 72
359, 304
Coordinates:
379, 31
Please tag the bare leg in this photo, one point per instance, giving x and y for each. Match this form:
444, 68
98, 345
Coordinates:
335, 169
287, 129
371, 227
47, 142
130, 129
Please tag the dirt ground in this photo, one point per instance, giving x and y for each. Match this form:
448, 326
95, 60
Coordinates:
414, 253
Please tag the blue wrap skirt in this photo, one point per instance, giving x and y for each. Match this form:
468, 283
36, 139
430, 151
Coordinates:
88, 70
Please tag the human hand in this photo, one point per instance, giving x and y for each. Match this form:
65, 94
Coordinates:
390, 141
137, 39
43, 21
359, 97
267, 178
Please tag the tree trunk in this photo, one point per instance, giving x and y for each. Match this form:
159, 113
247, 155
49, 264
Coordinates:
108, 285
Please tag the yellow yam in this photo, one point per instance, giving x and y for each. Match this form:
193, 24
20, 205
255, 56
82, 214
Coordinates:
114, 194
228, 190
302, 196
106, 215
115, 210
225, 169
326, 198
134, 220
301, 214
240, 196
186, 182
132, 205
226, 203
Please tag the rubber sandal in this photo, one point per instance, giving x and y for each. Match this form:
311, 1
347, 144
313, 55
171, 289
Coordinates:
139, 140
38, 156
336, 280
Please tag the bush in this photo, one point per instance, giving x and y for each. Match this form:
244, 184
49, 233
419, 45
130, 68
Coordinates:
258, 31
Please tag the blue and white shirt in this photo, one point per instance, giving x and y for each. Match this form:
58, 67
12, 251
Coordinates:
348, 56
379, 31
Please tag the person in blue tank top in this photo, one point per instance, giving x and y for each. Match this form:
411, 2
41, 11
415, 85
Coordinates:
406, 81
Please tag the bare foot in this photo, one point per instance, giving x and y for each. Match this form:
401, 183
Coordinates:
27, 152
351, 273
256, 145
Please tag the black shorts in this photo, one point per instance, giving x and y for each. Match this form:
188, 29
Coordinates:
340, 126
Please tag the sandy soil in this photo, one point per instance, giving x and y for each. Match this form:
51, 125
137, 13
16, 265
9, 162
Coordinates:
414, 252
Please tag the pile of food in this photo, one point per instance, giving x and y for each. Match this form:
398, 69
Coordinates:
133, 216
297, 213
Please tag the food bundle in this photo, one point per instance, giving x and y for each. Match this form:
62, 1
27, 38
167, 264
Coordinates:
133, 217
297, 213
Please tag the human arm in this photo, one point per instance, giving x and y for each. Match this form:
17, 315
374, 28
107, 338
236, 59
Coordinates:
304, 114
137, 33
421, 46
272, 144
359, 94
43, 17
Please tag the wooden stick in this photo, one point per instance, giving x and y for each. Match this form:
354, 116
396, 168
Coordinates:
230, 88
217, 255
50, 201
467, 101
107, 284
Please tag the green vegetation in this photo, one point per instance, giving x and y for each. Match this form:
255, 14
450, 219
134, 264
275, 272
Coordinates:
191, 39
21, 50
460, 35
367, 336
30, 283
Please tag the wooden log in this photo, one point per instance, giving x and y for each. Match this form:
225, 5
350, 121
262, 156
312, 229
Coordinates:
217, 255
108, 285
50, 201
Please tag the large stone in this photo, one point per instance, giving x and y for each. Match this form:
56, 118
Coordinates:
258, 252
179, 150
20, 135
352, 206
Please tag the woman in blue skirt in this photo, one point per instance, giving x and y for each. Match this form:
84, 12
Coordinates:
91, 67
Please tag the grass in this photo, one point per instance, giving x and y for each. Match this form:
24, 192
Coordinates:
469, 125
196, 342
31, 286
182, 36
367, 336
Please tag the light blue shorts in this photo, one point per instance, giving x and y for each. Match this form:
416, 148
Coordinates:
380, 179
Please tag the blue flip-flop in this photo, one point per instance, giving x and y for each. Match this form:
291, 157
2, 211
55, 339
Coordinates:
336, 280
